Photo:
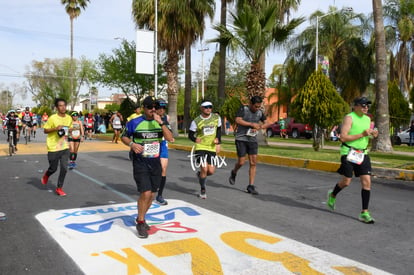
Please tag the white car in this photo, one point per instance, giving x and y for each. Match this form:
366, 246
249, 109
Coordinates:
402, 137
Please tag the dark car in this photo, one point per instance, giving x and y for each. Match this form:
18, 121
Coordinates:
293, 128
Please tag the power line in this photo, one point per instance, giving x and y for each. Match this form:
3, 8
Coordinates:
36, 75
15, 31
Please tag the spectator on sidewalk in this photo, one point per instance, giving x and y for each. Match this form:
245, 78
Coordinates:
411, 133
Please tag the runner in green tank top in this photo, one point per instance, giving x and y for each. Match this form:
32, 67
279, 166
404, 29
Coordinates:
355, 134
205, 131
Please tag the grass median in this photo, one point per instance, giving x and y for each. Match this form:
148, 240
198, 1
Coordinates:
386, 160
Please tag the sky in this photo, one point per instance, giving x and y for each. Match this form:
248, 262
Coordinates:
38, 29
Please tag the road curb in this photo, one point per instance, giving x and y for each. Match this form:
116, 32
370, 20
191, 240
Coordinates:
379, 172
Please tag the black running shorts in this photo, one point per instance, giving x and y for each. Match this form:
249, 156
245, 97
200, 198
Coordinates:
203, 156
245, 147
147, 173
347, 167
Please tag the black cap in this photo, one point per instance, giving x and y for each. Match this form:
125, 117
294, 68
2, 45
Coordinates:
161, 102
361, 100
149, 101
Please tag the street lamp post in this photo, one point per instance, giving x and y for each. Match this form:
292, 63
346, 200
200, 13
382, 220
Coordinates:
202, 50
156, 49
317, 32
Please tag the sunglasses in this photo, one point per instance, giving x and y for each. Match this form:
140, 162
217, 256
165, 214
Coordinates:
150, 106
364, 105
159, 107
208, 107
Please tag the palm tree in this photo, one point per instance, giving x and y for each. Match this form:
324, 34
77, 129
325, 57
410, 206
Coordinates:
283, 76
180, 23
383, 142
284, 8
400, 14
222, 64
255, 29
340, 39
73, 9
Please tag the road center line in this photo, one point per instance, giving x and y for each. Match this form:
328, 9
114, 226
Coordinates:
122, 195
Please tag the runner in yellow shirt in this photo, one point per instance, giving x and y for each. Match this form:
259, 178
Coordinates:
57, 129
136, 114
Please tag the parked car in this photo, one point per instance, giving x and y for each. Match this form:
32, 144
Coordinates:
402, 137
294, 129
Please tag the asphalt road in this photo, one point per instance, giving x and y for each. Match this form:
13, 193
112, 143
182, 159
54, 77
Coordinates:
291, 203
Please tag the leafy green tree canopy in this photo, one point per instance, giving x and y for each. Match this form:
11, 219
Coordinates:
399, 110
51, 78
117, 71
318, 103
229, 109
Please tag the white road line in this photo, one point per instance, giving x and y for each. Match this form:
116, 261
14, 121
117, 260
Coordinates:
122, 195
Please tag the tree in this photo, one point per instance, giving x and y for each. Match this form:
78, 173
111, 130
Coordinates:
340, 35
284, 8
254, 30
382, 120
180, 23
283, 79
73, 9
117, 71
8, 93
400, 15
319, 104
51, 78
398, 106
221, 81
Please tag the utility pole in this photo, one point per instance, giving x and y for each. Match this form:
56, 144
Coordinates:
156, 50
202, 50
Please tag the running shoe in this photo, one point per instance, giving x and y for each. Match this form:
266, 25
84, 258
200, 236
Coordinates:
45, 178
147, 227
59, 192
74, 165
142, 230
70, 165
365, 217
232, 178
160, 200
330, 202
202, 194
251, 189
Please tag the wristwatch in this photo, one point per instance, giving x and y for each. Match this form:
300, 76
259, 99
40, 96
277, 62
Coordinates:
162, 123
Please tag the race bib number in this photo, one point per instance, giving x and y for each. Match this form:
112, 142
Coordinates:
66, 130
208, 130
355, 156
117, 122
151, 150
75, 134
251, 132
